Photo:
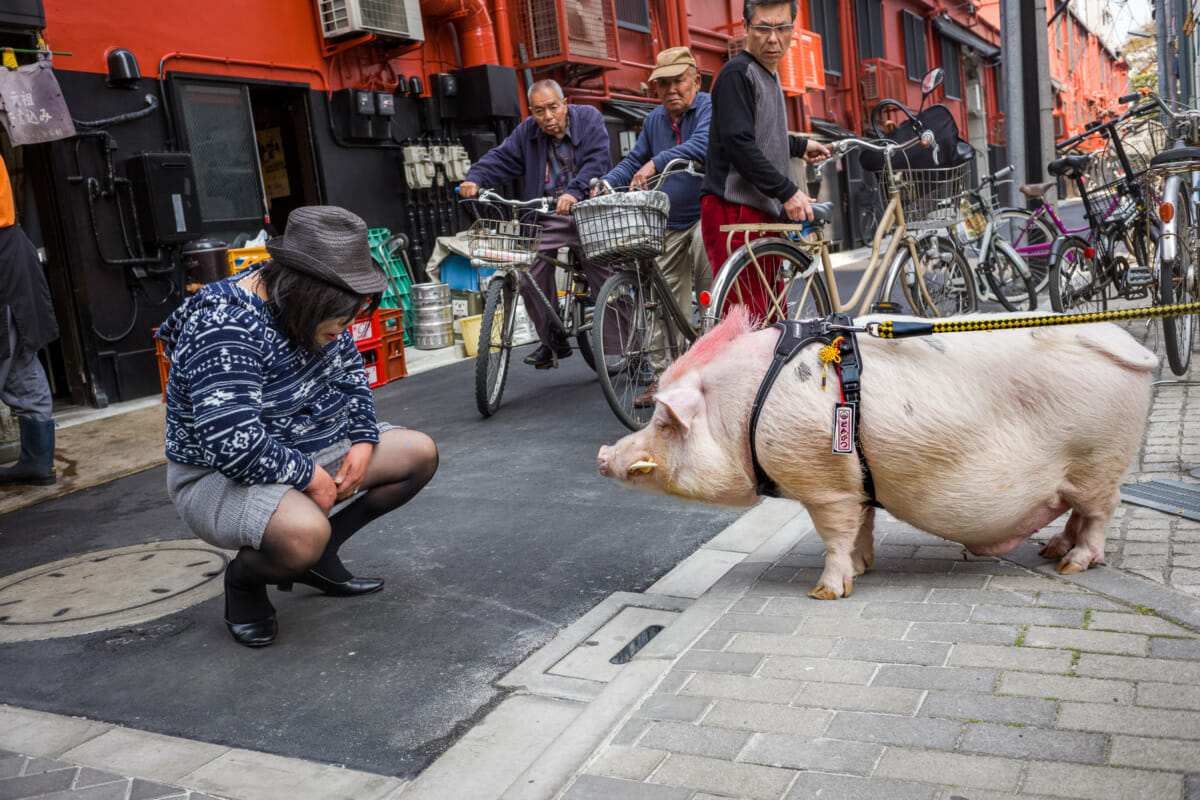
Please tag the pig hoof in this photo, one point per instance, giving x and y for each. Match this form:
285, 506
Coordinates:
1051, 550
1069, 568
847, 588
821, 593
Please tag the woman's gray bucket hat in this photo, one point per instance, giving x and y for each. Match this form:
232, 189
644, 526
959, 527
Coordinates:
329, 243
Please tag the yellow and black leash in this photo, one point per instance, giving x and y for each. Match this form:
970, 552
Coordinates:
897, 329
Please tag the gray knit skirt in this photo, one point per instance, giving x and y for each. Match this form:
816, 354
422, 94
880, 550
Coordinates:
227, 513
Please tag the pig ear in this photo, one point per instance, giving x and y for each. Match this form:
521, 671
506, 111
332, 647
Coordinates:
682, 404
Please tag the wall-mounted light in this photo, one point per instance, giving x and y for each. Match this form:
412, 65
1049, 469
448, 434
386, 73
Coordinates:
123, 72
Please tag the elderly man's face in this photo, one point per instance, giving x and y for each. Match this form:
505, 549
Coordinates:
549, 111
676, 94
769, 34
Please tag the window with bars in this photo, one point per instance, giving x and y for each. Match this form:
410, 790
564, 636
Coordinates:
869, 14
915, 62
952, 83
823, 16
633, 15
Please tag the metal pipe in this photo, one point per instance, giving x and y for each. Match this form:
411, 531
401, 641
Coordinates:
474, 25
503, 35
681, 12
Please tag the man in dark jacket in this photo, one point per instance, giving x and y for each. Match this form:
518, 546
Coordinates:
556, 152
27, 325
749, 148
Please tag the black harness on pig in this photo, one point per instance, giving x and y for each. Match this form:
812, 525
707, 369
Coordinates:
793, 337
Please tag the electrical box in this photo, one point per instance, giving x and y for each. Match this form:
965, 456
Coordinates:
487, 91
357, 112
23, 15
164, 190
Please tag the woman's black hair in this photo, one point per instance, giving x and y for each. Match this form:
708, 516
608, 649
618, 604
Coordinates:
300, 303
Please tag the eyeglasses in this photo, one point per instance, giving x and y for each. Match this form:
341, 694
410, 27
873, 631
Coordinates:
783, 31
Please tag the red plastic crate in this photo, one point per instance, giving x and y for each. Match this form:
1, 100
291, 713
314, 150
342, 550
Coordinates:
366, 330
393, 356
375, 365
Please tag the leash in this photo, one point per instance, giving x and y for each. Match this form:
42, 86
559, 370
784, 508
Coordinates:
889, 329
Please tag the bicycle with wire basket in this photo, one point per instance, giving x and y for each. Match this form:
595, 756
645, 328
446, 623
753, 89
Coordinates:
1085, 273
1177, 255
510, 246
920, 272
1001, 273
638, 328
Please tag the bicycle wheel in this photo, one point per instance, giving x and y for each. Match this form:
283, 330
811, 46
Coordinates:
1015, 291
1179, 282
495, 345
1073, 283
635, 339
1031, 236
788, 295
941, 285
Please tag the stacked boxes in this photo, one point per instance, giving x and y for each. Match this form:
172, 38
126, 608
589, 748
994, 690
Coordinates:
391, 323
396, 293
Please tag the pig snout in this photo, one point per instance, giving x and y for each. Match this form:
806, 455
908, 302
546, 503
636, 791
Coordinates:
604, 461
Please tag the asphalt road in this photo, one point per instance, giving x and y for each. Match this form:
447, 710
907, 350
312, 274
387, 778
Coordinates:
515, 538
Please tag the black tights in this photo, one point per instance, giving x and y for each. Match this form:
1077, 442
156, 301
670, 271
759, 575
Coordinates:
409, 465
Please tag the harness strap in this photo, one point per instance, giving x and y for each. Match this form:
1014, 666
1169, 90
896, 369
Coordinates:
794, 336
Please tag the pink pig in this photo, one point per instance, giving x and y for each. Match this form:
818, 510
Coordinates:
981, 438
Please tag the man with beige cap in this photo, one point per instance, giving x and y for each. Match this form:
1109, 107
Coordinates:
676, 129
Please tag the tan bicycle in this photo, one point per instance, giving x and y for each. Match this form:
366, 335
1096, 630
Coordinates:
786, 272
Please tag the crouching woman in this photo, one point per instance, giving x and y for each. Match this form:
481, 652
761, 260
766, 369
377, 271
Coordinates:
271, 421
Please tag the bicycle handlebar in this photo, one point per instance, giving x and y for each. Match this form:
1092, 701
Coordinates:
543, 204
676, 166
841, 147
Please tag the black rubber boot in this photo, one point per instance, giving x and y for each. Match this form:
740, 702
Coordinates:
35, 466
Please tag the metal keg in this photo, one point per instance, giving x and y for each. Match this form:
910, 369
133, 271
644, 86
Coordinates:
434, 321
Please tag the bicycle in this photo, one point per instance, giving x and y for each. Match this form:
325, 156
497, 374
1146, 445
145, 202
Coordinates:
510, 247
929, 271
638, 328
1085, 272
1177, 256
1001, 272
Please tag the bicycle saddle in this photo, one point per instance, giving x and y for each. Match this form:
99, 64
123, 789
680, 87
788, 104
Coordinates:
1037, 189
1071, 167
822, 212
1175, 155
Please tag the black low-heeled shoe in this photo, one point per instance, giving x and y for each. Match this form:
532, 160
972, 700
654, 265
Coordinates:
259, 633
348, 588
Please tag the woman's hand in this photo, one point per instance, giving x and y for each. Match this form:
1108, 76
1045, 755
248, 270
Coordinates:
322, 490
354, 466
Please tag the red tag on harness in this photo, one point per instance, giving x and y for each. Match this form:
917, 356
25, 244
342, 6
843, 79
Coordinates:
843, 429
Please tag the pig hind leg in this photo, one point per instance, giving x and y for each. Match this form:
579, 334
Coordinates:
841, 526
1081, 543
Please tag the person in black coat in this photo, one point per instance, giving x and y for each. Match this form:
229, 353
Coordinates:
27, 324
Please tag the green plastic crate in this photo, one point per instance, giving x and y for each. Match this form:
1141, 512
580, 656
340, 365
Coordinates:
396, 293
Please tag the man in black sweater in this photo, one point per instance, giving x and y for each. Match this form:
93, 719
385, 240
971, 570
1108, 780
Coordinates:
746, 172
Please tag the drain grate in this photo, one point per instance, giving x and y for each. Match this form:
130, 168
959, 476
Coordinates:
1173, 497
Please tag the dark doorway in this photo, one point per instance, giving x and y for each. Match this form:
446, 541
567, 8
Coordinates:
285, 152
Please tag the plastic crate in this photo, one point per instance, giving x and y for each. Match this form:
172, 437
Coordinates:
395, 295
393, 357
374, 365
366, 330
244, 257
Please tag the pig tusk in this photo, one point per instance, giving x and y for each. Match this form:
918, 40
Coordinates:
642, 466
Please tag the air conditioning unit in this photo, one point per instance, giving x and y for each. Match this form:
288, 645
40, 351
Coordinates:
882, 80
399, 19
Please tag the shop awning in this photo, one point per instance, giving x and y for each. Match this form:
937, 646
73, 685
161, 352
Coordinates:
631, 109
957, 33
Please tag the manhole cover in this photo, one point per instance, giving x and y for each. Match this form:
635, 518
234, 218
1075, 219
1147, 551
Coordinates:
1173, 497
112, 588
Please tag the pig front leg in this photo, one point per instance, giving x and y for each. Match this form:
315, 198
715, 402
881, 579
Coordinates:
847, 529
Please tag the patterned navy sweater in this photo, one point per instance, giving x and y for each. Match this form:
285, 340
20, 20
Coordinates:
244, 401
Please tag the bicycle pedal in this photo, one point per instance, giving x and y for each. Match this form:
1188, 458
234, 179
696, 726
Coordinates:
1137, 276
886, 307
1136, 293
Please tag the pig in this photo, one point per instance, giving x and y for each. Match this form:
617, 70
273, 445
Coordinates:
981, 438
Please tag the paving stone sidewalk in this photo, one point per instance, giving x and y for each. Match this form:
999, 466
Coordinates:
939, 678
49, 779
